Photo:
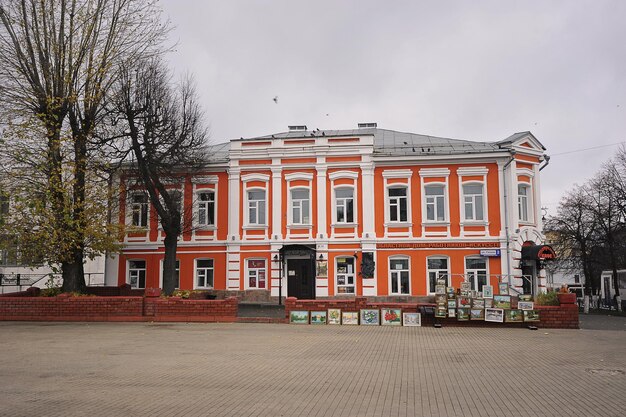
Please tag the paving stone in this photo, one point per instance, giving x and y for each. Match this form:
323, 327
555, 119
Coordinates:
242, 369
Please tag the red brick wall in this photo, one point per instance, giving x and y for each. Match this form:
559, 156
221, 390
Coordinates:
564, 316
67, 308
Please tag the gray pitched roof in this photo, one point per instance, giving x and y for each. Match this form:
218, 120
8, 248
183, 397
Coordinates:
391, 142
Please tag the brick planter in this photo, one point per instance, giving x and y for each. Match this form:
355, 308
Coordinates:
566, 298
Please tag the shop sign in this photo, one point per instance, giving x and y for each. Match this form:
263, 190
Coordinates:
438, 245
490, 252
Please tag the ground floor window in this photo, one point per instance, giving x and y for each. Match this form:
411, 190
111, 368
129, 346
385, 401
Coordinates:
476, 271
345, 274
399, 274
437, 270
256, 273
204, 273
137, 274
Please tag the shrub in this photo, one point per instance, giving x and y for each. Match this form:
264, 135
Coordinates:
50, 292
547, 299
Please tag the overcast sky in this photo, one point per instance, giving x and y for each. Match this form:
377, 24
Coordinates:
476, 70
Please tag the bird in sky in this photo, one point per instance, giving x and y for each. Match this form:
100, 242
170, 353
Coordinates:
275, 99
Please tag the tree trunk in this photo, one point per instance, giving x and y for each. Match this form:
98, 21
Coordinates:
170, 277
73, 273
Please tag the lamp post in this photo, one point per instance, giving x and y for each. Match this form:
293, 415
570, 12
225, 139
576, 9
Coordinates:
279, 259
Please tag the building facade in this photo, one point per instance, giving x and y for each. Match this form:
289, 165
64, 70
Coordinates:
363, 212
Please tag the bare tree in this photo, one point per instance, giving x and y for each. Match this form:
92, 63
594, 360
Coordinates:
575, 229
58, 59
606, 206
160, 123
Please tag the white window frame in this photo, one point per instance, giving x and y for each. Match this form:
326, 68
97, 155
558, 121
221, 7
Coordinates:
199, 206
438, 271
388, 203
161, 273
131, 270
292, 221
247, 207
474, 272
196, 274
352, 188
464, 213
446, 215
247, 276
398, 274
346, 275
528, 202
131, 209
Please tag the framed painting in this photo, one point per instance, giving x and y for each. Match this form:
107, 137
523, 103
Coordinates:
463, 314
487, 291
299, 317
488, 302
440, 289
502, 301
322, 268
466, 286
531, 315
477, 314
451, 292
525, 297
494, 314
334, 316
349, 318
391, 316
451, 304
513, 316
462, 302
441, 299
441, 312
525, 305
452, 312
370, 317
411, 319
478, 303
318, 317
503, 288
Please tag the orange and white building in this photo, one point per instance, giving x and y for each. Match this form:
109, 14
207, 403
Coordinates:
363, 212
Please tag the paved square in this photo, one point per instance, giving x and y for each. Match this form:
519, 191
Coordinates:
142, 369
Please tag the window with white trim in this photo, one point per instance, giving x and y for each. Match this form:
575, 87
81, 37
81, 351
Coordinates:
473, 198
435, 202
206, 208
300, 206
398, 204
204, 273
139, 209
344, 205
523, 202
256, 274
345, 275
399, 275
256, 207
476, 271
137, 274
437, 268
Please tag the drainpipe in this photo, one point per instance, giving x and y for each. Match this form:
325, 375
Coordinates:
506, 219
546, 161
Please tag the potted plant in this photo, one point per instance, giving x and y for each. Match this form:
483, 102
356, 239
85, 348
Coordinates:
565, 296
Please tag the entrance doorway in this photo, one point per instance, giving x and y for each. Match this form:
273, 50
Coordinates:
300, 279
299, 269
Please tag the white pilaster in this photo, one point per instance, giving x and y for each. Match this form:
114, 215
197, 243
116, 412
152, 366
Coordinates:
322, 218
233, 203
277, 208
367, 171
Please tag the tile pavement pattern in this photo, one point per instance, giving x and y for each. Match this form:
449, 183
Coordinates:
241, 369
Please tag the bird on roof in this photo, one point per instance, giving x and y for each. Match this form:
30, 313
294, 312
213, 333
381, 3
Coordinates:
275, 99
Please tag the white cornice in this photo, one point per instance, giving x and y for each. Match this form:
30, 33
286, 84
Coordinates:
304, 176
397, 173
469, 171
343, 174
434, 172
255, 177
210, 179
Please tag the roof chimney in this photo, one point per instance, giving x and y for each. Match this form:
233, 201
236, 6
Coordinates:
368, 125
297, 128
